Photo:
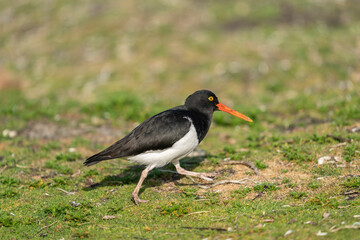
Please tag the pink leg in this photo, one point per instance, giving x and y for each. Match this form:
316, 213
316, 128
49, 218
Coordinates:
135, 194
205, 176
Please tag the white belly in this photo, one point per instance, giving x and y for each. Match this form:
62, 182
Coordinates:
160, 158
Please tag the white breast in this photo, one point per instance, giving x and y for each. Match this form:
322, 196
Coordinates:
178, 150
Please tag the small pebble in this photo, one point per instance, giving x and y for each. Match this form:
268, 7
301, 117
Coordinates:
9, 133
320, 233
72, 149
75, 204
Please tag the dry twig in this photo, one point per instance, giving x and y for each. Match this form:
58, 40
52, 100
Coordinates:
338, 145
338, 138
245, 163
3, 168
46, 226
198, 184
257, 196
68, 193
334, 229
241, 181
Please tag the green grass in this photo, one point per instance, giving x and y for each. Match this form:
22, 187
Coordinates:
351, 152
352, 182
265, 187
241, 192
77, 76
314, 184
298, 195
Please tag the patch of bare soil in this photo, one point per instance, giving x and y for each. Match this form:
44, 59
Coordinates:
242, 176
276, 171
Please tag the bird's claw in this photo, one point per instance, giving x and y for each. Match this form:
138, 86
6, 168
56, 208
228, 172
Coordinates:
208, 176
137, 200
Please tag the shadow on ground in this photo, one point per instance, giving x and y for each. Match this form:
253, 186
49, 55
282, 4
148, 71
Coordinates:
156, 177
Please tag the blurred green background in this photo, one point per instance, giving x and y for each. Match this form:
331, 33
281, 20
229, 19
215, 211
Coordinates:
262, 55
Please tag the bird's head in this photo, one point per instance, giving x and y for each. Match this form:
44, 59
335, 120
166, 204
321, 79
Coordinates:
206, 101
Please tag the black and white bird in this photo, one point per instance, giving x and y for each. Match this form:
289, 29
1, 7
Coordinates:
168, 137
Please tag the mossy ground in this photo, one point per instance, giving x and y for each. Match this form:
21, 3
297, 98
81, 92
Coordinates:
75, 76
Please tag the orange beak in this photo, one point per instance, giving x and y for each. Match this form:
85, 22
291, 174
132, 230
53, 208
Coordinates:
224, 108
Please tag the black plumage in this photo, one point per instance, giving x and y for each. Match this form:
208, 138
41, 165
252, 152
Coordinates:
156, 133
162, 130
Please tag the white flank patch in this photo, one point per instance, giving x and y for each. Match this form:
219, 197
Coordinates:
159, 158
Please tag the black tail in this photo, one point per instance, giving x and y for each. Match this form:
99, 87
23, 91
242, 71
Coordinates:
114, 151
96, 159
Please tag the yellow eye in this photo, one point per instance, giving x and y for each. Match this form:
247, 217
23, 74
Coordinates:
211, 98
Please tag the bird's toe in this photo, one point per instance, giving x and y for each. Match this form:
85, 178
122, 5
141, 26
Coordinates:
208, 176
137, 200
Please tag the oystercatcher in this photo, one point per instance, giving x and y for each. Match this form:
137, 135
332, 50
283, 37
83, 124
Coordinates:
168, 137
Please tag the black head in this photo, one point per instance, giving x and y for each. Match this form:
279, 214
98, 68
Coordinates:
202, 101
206, 102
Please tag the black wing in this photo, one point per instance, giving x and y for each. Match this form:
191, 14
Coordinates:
158, 132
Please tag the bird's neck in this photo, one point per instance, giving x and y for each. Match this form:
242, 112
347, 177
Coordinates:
202, 122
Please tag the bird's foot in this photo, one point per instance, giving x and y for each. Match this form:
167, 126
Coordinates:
137, 200
207, 176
